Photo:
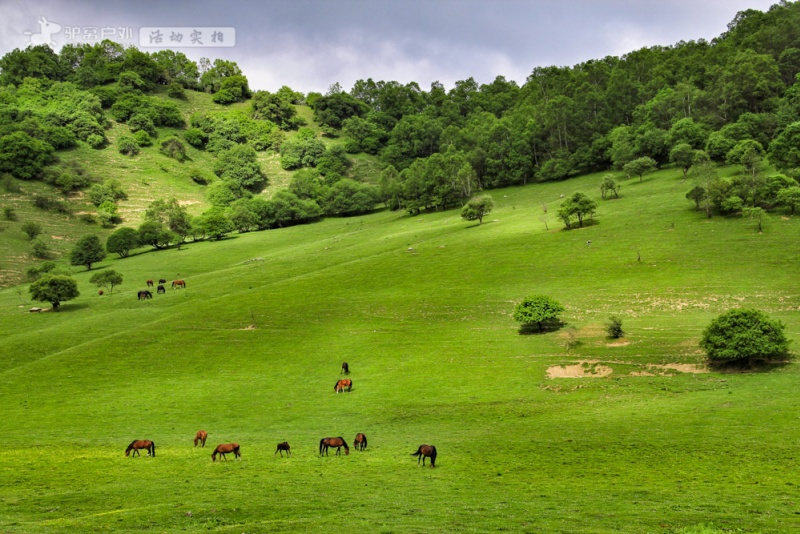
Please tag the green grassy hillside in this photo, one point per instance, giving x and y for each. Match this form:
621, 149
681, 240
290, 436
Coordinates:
648, 441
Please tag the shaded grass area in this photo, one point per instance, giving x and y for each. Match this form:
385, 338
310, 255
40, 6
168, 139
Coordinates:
421, 310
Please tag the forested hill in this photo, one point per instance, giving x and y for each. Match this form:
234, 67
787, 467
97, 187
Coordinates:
737, 98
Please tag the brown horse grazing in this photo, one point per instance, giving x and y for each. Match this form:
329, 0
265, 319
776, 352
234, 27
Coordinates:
141, 444
149, 283
161, 289
345, 368
179, 284
162, 280
283, 447
339, 442
224, 449
360, 443
342, 384
426, 450
200, 437
144, 295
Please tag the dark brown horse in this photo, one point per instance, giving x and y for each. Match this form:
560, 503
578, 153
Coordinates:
179, 284
360, 443
161, 289
345, 368
283, 447
141, 444
162, 280
339, 442
342, 384
224, 449
149, 283
200, 437
426, 451
144, 295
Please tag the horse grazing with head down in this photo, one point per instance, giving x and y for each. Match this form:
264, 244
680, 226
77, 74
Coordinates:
161, 289
149, 283
426, 451
224, 449
141, 444
144, 295
178, 284
342, 384
162, 280
283, 447
200, 437
339, 442
360, 443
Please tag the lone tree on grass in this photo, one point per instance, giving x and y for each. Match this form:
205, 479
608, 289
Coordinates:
477, 208
537, 310
578, 205
640, 166
55, 289
614, 327
88, 250
744, 335
107, 279
122, 241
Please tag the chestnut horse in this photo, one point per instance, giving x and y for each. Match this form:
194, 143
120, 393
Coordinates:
360, 443
179, 284
426, 450
345, 368
342, 384
339, 442
200, 437
224, 449
149, 283
283, 447
141, 444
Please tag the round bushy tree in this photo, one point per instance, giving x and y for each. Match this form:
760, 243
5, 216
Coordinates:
537, 310
477, 208
744, 335
87, 251
122, 241
107, 279
55, 289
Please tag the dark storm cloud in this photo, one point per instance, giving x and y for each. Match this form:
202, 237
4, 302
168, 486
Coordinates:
310, 44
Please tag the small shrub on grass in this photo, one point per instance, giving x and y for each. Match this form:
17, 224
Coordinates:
173, 148
96, 141
9, 213
614, 327
143, 138
50, 203
175, 90
34, 273
127, 145
32, 230
10, 184
40, 249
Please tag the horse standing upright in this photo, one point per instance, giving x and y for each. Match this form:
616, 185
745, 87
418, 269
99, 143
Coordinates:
426, 451
360, 443
339, 442
200, 437
345, 368
226, 448
141, 444
283, 447
342, 384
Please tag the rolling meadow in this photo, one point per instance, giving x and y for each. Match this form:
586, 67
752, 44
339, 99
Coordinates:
560, 431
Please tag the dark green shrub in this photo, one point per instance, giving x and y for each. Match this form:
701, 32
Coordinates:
745, 336
128, 145
614, 327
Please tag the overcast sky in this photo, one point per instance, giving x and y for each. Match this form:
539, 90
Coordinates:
310, 44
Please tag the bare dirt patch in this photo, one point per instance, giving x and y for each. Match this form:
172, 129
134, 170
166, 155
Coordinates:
579, 370
618, 344
249, 327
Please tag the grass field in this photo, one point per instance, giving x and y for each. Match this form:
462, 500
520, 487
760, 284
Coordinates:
421, 310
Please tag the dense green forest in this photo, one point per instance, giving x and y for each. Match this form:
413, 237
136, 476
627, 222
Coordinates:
734, 100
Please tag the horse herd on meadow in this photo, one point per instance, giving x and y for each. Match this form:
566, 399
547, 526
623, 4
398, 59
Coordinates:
359, 442
147, 294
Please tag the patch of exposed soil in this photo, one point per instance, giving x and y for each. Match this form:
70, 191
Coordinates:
249, 327
579, 370
618, 344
